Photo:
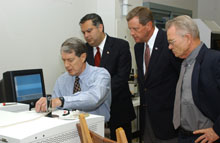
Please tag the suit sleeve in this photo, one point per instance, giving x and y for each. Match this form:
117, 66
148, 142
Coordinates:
216, 126
121, 76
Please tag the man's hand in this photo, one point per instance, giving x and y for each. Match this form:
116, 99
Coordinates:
41, 104
208, 135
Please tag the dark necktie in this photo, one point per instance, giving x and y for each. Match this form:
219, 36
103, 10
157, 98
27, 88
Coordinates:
177, 110
76, 85
146, 58
97, 57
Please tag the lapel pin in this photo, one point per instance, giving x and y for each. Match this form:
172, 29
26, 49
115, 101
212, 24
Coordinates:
156, 48
107, 52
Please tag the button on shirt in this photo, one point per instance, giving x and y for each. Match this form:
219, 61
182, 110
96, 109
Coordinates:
95, 94
191, 117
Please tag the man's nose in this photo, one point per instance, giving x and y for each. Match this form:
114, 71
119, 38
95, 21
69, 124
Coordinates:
66, 64
170, 46
132, 32
86, 34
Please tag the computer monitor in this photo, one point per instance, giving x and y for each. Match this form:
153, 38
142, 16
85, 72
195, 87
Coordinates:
23, 86
215, 41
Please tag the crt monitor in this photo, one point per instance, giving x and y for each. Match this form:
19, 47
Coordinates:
215, 41
23, 86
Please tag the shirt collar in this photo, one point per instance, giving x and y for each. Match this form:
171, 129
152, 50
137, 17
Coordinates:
153, 38
84, 73
189, 60
102, 44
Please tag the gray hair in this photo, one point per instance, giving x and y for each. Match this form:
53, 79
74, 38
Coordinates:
74, 45
184, 24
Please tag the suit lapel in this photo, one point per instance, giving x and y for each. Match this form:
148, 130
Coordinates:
157, 48
139, 51
90, 55
196, 73
106, 51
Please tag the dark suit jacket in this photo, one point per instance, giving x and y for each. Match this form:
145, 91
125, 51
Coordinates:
157, 91
116, 58
206, 85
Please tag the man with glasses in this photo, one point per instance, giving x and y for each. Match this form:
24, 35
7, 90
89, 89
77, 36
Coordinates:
196, 108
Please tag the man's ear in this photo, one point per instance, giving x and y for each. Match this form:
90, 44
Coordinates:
101, 27
83, 57
149, 25
189, 38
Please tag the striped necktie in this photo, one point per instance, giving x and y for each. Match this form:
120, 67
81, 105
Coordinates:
76, 85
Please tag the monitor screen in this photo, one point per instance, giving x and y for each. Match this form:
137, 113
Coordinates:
28, 87
24, 86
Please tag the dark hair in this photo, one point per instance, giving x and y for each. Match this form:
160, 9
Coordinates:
96, 19
143, 13
74, 44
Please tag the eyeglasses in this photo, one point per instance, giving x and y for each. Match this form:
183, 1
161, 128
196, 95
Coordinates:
171, 42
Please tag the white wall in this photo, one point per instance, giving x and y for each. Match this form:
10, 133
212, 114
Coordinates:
106, 9
31, 32
209, 10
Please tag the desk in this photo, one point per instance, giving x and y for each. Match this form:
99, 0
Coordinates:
32, 127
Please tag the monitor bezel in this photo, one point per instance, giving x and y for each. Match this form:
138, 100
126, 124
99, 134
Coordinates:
15, 73
215, 37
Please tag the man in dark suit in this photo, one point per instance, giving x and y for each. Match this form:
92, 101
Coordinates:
114, 55
157, 77
198, 88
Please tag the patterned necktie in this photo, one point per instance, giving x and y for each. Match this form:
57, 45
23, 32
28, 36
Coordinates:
97, 57
146, 58
177, 110
76, 85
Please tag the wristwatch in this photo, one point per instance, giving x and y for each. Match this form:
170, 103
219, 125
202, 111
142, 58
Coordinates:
62, 101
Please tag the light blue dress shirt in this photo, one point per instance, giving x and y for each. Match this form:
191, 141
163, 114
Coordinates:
95, 94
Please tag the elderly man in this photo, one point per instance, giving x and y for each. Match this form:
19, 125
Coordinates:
82, 87
196, 108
